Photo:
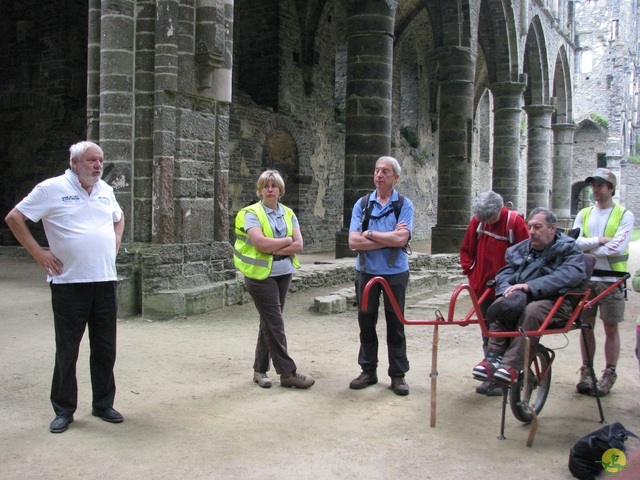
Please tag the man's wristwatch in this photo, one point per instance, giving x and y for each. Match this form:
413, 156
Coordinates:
369, 233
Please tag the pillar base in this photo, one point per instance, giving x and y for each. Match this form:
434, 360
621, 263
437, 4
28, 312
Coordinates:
342, 245
447, 239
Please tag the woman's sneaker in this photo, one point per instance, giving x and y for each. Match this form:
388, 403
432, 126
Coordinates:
296, 380
262, 379
486, 368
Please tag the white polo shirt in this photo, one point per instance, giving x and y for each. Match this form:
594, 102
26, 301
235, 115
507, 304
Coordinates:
79, 226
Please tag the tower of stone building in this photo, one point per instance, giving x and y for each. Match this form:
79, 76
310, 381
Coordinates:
606, 89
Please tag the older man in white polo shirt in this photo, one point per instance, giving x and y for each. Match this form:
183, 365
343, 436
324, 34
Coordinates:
83, 224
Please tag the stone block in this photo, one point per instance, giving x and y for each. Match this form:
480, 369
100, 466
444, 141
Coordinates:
205, 299
330, 304
164, 305
128, 296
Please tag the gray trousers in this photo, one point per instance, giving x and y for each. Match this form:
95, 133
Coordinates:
534, 314
269, 296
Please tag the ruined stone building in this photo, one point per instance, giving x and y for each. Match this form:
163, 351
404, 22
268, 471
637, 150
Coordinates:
606, 89
191, 99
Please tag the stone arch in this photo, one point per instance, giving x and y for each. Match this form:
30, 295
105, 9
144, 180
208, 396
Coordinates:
413, 78
536, 65
580, 197
407, 12
497, 37
590, 144
280, 149
483, 131
562, 89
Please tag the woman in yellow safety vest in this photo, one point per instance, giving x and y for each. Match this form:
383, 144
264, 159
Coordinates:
267, 239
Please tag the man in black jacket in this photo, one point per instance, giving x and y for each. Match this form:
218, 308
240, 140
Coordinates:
526, 290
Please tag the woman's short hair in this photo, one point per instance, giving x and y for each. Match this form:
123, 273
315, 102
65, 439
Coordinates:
77, 150
270, 176
487, 205
394, 163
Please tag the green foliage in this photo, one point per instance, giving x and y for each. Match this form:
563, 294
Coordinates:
634, 159
340, 115
599, 119
636, 234
410, 136
421, 158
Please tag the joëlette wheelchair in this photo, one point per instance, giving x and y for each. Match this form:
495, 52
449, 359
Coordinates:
528, 394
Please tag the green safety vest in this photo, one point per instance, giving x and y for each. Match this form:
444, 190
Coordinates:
618, 263
250, 261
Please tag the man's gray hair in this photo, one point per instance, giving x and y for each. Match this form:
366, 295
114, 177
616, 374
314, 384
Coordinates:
77, 150
549, 215
394, 163
487, 205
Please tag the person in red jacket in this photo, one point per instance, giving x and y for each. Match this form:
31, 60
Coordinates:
492, 230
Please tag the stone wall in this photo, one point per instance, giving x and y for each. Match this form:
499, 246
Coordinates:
630, 198
42, 95
299, 134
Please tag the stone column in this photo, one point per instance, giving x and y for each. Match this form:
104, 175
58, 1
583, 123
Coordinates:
214, 62
614, 158
116, 102
164, 127
538, 155
455, 78
93, 72
562, 170
507, 115
368, 124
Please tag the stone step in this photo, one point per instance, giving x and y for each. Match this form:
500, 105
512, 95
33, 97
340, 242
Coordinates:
427, 289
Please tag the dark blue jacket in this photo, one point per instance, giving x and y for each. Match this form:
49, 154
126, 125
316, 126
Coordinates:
560, 265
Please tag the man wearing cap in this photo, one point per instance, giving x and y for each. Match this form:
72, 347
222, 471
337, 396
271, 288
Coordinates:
605, 232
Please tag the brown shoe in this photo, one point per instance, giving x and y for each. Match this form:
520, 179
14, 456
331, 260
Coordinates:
296, 380
609, 377
399, 386
262, 379
363, 381
585, 383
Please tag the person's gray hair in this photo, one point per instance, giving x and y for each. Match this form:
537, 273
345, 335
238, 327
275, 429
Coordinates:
550, 217
77, 150
394, 163
487, 205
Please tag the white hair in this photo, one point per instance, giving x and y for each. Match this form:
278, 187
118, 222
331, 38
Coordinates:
394, 163
77, 150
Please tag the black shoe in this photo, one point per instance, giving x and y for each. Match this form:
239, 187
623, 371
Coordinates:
108, 415
363, 381
494, 389
483, 387
60, 423
399, 386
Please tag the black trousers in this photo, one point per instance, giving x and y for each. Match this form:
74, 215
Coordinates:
75, 306
368, 318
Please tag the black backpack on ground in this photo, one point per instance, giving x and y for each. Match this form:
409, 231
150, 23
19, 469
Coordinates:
585, 458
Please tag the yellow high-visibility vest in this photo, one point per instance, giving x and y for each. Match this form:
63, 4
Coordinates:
250, 261
618, 263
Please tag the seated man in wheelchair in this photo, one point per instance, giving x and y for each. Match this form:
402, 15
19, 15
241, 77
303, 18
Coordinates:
526, 290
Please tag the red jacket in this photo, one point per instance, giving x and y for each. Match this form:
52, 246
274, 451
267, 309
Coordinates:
481, 255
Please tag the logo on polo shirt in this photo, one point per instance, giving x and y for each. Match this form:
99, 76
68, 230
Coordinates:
71, 199
104, 200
